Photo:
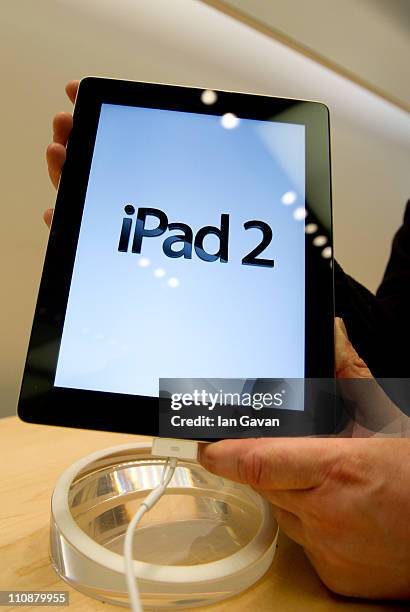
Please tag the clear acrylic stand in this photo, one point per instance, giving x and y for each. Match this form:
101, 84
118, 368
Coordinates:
207, 539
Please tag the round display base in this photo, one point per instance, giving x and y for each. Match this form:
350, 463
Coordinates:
207, 538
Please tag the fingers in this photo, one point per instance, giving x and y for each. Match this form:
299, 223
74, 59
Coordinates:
63, 122
348, 362
56, 151
55, 155
71, 90
281, 463
62, 126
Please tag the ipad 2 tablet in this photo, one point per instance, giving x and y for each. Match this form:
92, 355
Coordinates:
191, 241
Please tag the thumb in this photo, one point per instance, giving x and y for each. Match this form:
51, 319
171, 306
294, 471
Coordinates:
347, 361
269, 464
371, 410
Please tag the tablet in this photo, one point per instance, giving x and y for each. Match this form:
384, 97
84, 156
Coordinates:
191, 241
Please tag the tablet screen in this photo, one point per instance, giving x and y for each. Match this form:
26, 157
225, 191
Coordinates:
191, 253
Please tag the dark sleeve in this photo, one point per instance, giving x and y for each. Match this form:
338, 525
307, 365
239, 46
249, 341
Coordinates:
378, 325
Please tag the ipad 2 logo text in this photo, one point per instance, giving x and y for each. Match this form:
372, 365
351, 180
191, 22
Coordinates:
179, 239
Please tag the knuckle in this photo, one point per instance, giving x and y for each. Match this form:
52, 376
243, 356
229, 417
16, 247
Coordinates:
361, 367
353, 367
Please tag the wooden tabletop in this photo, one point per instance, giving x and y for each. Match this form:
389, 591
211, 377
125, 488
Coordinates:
33, 457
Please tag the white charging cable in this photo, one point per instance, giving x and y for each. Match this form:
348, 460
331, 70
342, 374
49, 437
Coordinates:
147, 504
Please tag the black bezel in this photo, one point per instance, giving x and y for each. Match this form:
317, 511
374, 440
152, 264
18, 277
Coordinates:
40, 401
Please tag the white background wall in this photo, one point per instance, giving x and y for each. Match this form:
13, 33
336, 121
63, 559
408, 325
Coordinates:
44, 44
370, 38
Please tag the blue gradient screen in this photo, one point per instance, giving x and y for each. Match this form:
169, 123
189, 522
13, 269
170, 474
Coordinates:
143, 305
